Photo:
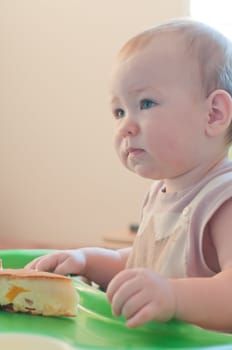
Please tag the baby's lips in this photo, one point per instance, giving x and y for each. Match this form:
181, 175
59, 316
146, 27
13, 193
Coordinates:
134, 150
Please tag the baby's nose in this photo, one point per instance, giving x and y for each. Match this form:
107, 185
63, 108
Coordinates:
128, 127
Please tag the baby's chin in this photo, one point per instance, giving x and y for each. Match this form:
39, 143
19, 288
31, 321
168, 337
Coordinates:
140, 169
145, 172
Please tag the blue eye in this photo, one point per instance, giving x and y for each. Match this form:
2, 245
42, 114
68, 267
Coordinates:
119, 113
146, 104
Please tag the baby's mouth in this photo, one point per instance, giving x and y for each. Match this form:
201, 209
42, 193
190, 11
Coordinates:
134, 151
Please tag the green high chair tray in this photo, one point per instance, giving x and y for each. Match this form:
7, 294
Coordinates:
95, 327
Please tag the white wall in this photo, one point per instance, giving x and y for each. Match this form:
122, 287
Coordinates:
61, 183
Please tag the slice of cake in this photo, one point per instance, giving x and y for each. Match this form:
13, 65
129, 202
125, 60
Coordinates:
39, 293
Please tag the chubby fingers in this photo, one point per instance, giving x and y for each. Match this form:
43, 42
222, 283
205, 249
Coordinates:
61, 262
121, 289
69, 266
129, 298
58, 262
43, 263
140, 296
117, 282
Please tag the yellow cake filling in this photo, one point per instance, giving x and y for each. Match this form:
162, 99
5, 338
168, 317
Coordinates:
14, 291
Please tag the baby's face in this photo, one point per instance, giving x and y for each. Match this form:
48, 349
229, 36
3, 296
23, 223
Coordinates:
159, 111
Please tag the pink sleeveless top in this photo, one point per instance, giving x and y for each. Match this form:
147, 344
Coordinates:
170, 237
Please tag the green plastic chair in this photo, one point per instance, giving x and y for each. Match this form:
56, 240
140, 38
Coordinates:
96, 328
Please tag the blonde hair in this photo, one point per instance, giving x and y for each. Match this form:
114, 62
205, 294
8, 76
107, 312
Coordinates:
211, 50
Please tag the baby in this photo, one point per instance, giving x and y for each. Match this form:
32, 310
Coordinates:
171, 89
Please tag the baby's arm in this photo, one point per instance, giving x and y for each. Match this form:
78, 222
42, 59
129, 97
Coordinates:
140, 295
96, 264
207, 301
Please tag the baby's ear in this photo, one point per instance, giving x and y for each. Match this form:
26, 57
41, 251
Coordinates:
219, 112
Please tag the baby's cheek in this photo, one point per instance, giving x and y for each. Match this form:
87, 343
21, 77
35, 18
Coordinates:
118, 146
116, 140
168, 150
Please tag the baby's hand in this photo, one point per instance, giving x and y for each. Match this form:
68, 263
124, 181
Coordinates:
140, 295
62, 262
